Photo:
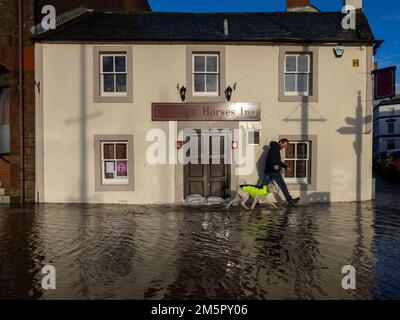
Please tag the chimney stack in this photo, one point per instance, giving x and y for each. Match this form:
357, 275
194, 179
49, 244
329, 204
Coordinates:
300, 6
357, 4
292, 4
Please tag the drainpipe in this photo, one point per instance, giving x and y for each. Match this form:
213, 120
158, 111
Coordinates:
21, 99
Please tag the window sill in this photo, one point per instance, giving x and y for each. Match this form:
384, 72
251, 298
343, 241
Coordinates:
113, 99
297, 98
205, 99
114, 187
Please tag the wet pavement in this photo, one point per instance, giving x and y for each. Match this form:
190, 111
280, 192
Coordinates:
153, 252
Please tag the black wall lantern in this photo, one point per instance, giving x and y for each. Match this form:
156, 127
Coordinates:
229, 91
182, 92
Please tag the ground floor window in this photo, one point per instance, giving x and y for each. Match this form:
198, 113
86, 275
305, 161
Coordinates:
114, 162
298, 159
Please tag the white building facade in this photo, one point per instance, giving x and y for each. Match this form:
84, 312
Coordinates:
107, 97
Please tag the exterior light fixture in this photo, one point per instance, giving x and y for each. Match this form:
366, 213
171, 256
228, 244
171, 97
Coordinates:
229, 91
182, 92
339, 51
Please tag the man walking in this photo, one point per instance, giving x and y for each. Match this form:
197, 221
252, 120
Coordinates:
274, 167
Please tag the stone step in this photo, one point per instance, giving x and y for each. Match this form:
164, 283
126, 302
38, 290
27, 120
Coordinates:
5, 199
2, 192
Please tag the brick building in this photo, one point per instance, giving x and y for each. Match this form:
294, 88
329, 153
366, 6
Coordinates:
15, 175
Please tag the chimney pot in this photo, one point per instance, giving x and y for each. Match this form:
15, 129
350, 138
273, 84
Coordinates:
357, 4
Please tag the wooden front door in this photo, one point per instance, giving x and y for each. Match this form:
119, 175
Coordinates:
208, 172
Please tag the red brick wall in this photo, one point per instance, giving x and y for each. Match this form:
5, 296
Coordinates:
10, 173
5, 175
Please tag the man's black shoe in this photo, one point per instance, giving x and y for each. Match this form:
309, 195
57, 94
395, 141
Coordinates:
294, 201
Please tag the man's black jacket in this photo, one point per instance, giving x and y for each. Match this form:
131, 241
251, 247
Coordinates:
274, 158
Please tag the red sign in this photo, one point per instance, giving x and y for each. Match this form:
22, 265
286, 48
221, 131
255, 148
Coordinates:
384, 83
206, 111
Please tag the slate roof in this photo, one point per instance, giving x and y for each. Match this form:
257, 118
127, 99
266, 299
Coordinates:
394, 100
299, 27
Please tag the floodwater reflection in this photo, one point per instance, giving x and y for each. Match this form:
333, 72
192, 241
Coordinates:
170, 252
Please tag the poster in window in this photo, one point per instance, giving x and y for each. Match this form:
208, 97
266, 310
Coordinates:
110, 169
122, 168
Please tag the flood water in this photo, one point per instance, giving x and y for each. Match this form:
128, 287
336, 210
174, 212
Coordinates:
154, 252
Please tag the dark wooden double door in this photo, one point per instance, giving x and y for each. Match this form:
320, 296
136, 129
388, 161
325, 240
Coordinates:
208, 172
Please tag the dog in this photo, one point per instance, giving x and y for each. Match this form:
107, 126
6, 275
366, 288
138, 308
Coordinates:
259, 195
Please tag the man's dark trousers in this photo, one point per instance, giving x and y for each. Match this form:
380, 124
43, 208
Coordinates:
277, 177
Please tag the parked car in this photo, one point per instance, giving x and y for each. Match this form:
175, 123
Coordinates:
393, 163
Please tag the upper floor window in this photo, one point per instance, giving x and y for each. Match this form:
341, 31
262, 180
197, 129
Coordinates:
113, 74
206, 74
297, 74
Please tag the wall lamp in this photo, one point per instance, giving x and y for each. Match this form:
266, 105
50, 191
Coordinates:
229, 91
339, 51
182, 91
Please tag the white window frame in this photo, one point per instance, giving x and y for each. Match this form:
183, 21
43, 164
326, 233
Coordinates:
114, 181
308, 73
308, 165
102, 73
205, 93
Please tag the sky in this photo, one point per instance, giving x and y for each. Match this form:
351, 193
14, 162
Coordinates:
383, 16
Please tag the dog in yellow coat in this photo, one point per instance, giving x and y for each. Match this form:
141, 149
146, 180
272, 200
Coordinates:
259, 194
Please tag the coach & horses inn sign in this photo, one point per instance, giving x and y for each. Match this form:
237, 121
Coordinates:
239, 111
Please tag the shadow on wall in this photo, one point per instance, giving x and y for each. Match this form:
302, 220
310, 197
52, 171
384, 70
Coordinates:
261, 164
82, 121
355, 127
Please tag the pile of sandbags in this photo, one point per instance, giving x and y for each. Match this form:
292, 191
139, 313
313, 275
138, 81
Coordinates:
198, 200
